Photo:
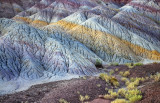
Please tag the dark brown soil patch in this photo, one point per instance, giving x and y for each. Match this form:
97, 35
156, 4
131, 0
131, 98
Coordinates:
145, 70
52, 92
151, 93
138, 71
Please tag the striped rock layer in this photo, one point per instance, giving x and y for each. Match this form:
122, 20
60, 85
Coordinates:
46, 38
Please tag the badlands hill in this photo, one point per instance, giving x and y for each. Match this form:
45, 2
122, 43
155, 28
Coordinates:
48, 40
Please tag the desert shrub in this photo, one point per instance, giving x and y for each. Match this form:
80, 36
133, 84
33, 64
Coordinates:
84, 77
114, 64
111, 72
98, 63
119, 101
134, 92
109, 79
107, 96
133, 95
129, 65
157, 77
122, 92
124, 79
116, 69
151, 76
135, 98
131, 86
142, 79
98, 85
125, 74
106, 89
120, 73
87, 97
114, 81
63, 101
111, 95
83, 98
104, 76
134, 84
138, 64
132, 79
146, 78
78, 92
155, 63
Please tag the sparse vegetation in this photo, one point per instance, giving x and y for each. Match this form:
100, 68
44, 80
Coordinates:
122, 92
109, 79
134, 84
111, 95
84, 77
63, 101
135, 98
111, 72
104, 76
125, 74
155, 63
157, 77
98, 85
98, 64
138, 64
114, 81
83, 98
78, 92
116, 69
114, 64
124, 79
106, 89
133, 95
129, 65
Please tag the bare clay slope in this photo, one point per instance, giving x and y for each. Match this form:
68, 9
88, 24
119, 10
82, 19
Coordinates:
29, 53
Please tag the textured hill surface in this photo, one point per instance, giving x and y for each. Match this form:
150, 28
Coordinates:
47, 38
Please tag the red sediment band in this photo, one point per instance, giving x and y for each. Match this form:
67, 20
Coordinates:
149, 8
118, 1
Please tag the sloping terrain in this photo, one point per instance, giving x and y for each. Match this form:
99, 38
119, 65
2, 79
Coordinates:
71, 90
42, 39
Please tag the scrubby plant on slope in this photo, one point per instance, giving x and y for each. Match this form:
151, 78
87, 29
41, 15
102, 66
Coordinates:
109, 79
125, 74
111, 95
63, 101
98, 64
83, 98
